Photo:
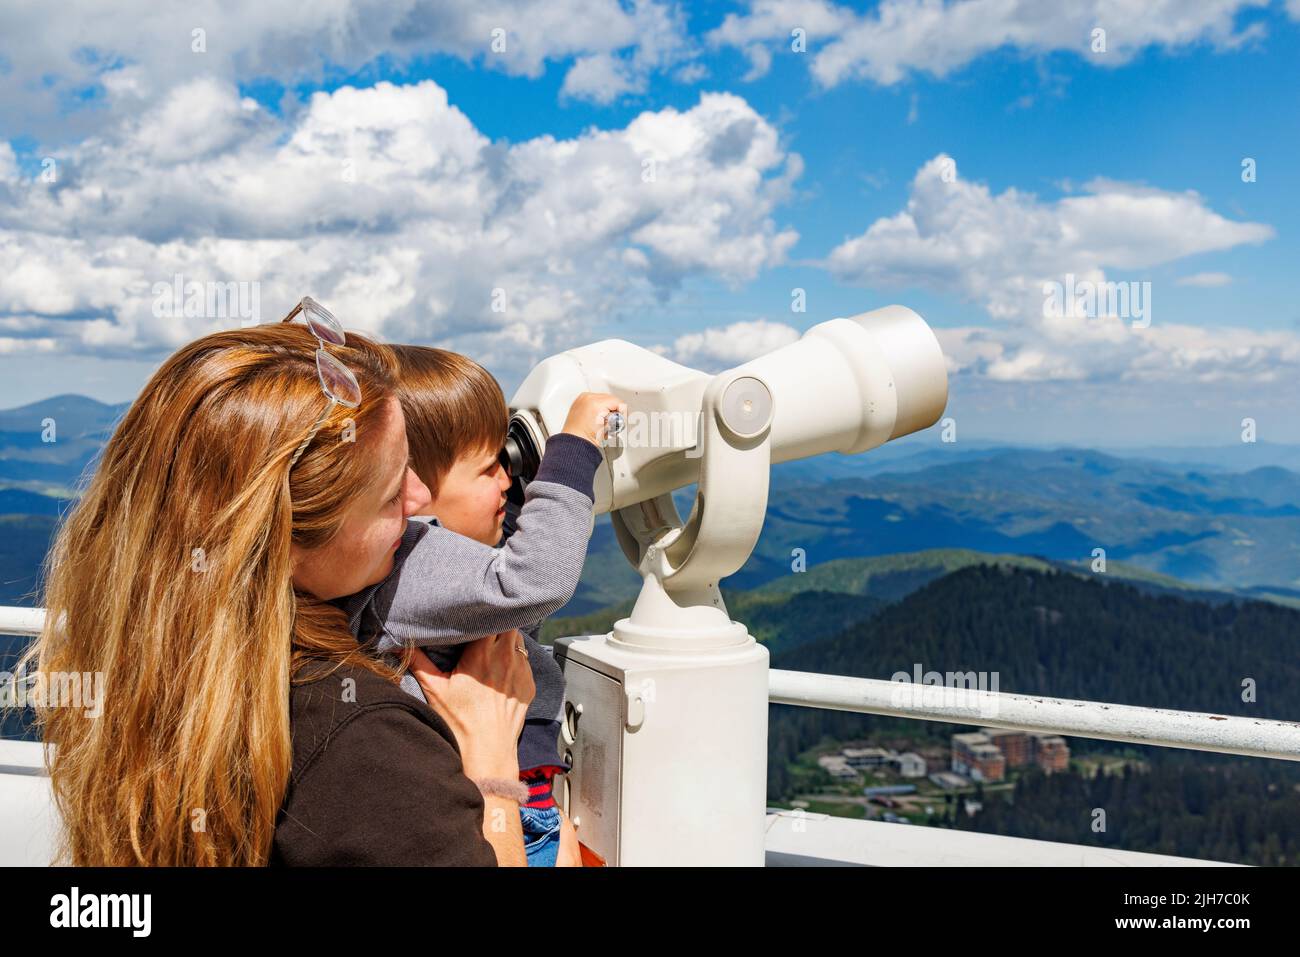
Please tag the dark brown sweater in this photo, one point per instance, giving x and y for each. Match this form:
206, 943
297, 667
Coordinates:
376, 780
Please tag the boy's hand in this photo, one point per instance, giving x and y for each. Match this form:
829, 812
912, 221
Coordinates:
587, 415
569, 855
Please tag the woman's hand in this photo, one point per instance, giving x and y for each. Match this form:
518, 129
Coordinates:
484, 701
569, 854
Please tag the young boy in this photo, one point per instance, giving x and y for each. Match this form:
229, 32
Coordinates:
447, 588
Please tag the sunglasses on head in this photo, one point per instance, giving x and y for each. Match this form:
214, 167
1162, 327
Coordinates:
336, 379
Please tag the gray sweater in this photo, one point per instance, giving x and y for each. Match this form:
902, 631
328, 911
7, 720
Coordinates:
446, 589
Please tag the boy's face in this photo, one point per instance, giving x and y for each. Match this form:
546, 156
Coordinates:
472, 499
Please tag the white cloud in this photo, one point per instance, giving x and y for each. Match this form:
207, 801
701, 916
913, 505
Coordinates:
1205, 279
129, 53
660, 37
903, 36
760, 61
392, 208
771, 23
691, 73
999, 251
723, 347
197, 119
1169, 353
957, 237
599, 77
8, 163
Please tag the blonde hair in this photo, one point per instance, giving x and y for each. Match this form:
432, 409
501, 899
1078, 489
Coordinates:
172, 577
452, 406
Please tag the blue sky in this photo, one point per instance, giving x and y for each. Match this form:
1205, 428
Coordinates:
816, 169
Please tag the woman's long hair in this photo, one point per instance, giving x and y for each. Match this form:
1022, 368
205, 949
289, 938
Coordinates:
171, 578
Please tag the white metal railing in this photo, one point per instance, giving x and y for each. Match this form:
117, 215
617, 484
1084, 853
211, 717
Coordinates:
1163, 727
21, 621
1227, 734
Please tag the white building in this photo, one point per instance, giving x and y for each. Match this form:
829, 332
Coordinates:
910, 765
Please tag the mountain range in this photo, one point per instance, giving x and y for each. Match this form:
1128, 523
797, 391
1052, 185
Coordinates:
1223, 519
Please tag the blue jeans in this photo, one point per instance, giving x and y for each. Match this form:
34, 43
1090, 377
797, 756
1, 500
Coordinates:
541, 835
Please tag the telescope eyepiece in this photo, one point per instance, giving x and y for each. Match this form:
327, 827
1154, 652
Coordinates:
521, 457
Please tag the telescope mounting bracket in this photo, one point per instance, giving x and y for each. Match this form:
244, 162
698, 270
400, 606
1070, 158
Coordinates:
681, 563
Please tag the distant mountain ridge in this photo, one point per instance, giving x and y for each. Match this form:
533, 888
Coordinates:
1109, 642
851, 590
1233, 532
81, 427
1214, 529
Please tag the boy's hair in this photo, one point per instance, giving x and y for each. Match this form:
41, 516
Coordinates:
453, 406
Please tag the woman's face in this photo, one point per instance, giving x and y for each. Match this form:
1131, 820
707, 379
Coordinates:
361, 553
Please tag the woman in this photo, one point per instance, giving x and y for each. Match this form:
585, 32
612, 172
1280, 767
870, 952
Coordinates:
241, 495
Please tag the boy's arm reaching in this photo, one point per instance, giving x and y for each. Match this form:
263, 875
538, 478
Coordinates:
447, 587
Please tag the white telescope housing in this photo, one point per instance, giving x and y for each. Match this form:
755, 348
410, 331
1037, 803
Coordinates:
666, 716
848, 385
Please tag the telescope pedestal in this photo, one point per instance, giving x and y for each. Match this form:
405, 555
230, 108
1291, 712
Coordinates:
669, 749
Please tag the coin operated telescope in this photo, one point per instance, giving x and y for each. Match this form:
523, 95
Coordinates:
665, 719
